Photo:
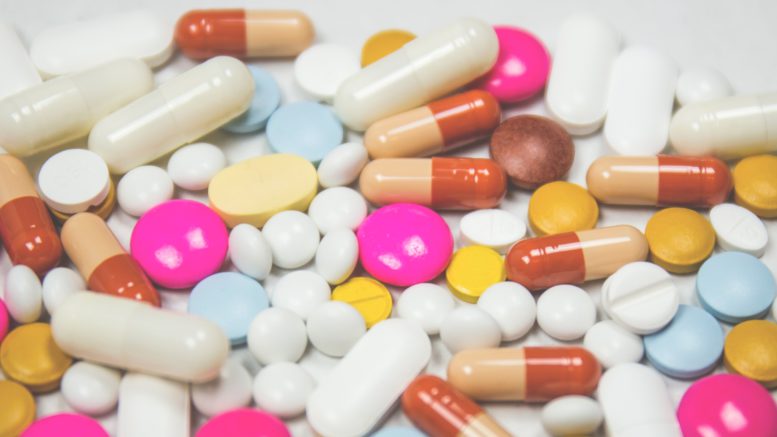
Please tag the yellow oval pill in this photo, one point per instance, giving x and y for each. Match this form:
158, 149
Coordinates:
371, 298
680, 239
254, 190
29, 356
384, 43
755, 184
472, 270
562, 207
17, 409
751, 351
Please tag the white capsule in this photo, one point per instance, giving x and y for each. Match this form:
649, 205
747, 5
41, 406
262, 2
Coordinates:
283, 389
143, 188
342, 165
337, 255
23, 294
249, 251
469, 327
300, 292
277, 334
230, 390
17, 72
334, 327
91, 388
192, 167
58, 284
338, 208
150, 406
427, 304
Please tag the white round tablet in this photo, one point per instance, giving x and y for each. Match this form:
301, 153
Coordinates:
283, 389
337, 255
143, 188
249, 251
277, 334
91, 388
300, 292
641, 297
572, 415
338, 208
469, 327
58, 284
230, 390
23, 294
427, 304
342, 165
293, 238
321, 68
334, 327
612, 344
73, 180
494, 228
738, 229
565, 312
192, 167
512, 306
701, 84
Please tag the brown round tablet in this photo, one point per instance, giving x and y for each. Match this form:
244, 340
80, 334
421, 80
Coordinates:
533, 150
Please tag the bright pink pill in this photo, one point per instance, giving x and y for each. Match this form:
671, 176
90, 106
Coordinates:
65, 425
521, 69
404, 244
180, 242
3, 320
727, 406
244, 422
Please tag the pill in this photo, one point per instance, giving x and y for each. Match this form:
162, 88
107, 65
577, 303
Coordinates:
307, 129
102, 209
565, 312
383, 43
398, 431
26, 228
17, 408
428, 304
29, 356
334, 327
66, 108
173, 114
244, 420
4, 322
321, 68
640, 101
143, 188
729, 128
532, 374
78, 45
243, 33
469, 327
300, 292
442, 183
574, 257
738, 229
266, 99
18, 71
293, 238
441, 410
576, 95
562, 206
58, 284
337, 208
680, 239
512, 307
636, 403
267, 346
440, 126
755, 185
191, 349
571, 415
407, 78
283, 389
74, 180
192, 167
701, 84
65, 424
400, 348
249, 251
342, 165
494, 228
337, 256
371, 298
533, 150
90, 388
163, 404
750, 350
229, 391
254, 190
23, 294
612, 344
472, 270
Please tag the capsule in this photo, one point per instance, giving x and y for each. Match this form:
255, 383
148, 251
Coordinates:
574, 257
17, 72
26, 229
439, 126
243, 33
443, 183
99, 257
659, 180
531, 374
424, 69
178, 112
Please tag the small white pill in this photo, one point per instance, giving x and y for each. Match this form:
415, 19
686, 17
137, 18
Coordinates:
337, 208
321, 68
143, 188
494, 228
512, 306
469, 327
300, 292
58, 284
342, 165
572, 415
230, 390
91, 388
334, 327
293, 238
612, 344
193, 166
701, 84
337, 255
283, 389
73, 180
565, 312
427, 304
738, 229
277, 334
23, 294
249, 251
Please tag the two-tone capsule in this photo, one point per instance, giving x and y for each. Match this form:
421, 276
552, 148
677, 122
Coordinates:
574, 257
659, 180
443, 183
442, 125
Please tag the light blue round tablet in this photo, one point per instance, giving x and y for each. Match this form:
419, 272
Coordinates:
398, 431
267, 97
307, 129
689, 346
735, 286
231, 300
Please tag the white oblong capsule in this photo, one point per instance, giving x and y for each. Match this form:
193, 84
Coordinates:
17, 72
579, 80
178, 112
150, 406
640, 100
424, 69
65, 108
365, 384
132, 335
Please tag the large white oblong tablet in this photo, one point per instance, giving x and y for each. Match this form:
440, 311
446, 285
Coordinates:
640, 101
739, 229
367, 382
579, 80
78, 45
17, 71
150, 406
494, 228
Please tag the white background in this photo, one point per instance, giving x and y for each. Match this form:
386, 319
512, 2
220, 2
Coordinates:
735, 37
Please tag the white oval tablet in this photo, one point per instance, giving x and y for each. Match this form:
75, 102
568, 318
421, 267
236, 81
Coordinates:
17, 72
321, 68
300, 292
494, 228
58, 284
572, 415
512, 306
701, 84
427, 304
342, 165
469, 327
23, 294
283, 389
277, 334
249, 251
143, 188
612, 344
90, 388
230, 390
73, 180
163, 405
565, 312
334, 327
337, 255
336, 208
738, 229
293, 238
192, 167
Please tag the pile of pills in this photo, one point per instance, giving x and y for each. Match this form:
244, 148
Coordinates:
319, 281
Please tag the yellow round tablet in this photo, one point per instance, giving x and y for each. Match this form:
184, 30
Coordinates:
562, 207
371, 298
17, 409
472, 270
755, 184
384, 43
29, 356
103, 209
751, 351
680, 239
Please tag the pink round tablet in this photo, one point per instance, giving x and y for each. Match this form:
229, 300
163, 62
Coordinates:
727, 406
179, 242
244, 422
521, 69
404, 244
65, 424
3, 320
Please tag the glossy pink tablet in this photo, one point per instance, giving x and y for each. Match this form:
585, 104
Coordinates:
179, 242
404, 244
3, 320
65, 424
244, 422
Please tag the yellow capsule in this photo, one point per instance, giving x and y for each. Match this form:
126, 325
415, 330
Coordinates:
562, 207
29, 356
370, 298
472, 270
680, 239
17, 408
384, 43
751, 351
755, 184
